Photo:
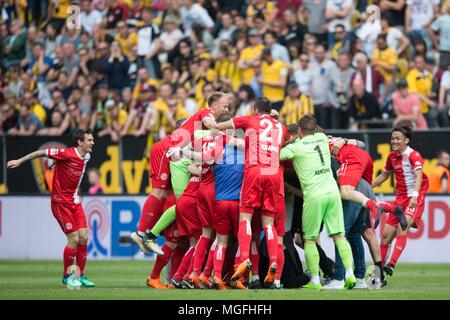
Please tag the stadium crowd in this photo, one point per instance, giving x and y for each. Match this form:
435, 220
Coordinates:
135, 67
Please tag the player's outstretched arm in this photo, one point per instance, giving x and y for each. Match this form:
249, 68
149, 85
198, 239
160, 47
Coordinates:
210, 123
381, 178
225, 125
36, 154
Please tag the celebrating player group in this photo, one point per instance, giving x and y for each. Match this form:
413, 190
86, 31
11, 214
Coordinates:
216, 179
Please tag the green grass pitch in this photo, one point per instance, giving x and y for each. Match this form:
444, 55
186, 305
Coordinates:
24, 279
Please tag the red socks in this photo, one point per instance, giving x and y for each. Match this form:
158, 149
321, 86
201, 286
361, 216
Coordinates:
388, 207
184, 265
370, 204
161, 261
384, 248
400, 244
254, 258
219, 257
200, 253
210, 261
69, 257
175, 260
244, 239
272, 243
81, 256
280, 261
151, 212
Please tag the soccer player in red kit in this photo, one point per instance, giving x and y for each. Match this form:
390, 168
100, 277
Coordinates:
65, 202
160, 169
264, 137
411, 188
355, 163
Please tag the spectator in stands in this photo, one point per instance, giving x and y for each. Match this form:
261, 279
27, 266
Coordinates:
59, 125
94, 182
9, 118
303, 75
250, 55
188, 103
28, 123
407, 108
227, 29
418, 18
337, 12
15, 44
384, 59
395, 38
439, 175
274, 74
394, 10
314, 13
191, 12
279, 52
320, 86
341, 44
420, 82
149, 44
340, 79
89, 17
116, 118
126, 39
363, 104
372, 79
116, 68
295, 30
116, 12
444, 95
442, 26
246, 97
296, 105
264, 8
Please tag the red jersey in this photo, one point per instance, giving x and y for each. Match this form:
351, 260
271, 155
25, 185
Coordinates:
192, 187
185, 133
69, 171
264, 138
404, 166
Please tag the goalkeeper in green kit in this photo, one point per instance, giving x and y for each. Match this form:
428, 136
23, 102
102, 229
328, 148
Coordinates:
310, 155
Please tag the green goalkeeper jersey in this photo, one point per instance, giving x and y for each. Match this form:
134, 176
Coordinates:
311, 158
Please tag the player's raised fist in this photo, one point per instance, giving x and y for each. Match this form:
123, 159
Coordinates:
13, 164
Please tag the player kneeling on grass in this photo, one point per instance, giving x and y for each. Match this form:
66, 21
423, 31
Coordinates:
322, 201
65, 202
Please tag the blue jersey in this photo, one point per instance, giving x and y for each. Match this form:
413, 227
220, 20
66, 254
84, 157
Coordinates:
228, 174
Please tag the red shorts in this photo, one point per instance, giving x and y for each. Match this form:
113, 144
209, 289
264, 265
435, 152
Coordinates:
171, 233
415, 214
160, 165
188, 221
226, 217
353, 169
70, 216
280, 217
259, 192
205, 204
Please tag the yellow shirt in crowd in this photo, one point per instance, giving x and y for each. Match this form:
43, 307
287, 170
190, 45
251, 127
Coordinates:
247, 54
420, 82
295, 108
272, 73
180, 113
127, 44
267, 9
387, 57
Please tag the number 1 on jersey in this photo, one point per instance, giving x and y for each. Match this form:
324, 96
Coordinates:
317, 148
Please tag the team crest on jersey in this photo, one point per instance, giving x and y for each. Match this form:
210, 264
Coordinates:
69, 226
164, 176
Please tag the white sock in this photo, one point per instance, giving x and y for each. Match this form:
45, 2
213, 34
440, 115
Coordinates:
140, 233
277, 283
364, 203
348, 273
255, 277
315, 280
